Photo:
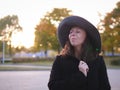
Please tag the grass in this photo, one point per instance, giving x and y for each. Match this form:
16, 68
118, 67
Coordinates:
24, 66
42, 63
7, 68
47, 63
109, 62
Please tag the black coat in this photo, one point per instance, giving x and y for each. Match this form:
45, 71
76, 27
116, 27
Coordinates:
65, 75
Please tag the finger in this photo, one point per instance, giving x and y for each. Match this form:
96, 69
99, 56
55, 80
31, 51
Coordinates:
87, 69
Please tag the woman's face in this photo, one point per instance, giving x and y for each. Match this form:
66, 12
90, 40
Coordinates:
77, 36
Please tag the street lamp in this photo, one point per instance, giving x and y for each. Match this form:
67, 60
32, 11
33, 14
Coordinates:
3, 54
3, 47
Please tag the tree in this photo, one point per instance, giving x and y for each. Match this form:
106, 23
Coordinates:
111, 26
45, 34
1, 47
9, 25
57, 14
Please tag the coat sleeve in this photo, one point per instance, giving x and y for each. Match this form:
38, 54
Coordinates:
104, 81
57, 82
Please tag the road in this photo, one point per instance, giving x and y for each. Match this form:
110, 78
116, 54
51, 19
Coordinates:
114, 78
37, 80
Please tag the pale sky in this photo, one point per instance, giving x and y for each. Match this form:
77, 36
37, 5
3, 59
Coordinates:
29, 12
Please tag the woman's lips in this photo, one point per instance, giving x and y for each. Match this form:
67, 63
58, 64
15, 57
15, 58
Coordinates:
73, 39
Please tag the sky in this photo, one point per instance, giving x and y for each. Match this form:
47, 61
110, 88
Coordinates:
29, 13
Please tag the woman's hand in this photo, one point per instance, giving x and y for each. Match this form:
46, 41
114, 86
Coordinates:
83, 67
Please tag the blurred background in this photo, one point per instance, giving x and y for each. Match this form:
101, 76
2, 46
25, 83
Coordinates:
28, 28
28, 41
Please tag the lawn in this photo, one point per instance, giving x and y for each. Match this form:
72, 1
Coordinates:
111, 62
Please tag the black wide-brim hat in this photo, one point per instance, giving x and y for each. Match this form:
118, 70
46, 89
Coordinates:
72, 21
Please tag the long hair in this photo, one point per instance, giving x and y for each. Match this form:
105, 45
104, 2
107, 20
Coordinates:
88, 53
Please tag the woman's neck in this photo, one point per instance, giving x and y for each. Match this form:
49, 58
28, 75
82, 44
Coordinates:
77, 52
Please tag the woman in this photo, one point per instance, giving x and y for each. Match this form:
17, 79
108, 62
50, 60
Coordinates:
79, 66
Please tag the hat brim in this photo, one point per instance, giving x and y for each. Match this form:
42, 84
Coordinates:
71, 21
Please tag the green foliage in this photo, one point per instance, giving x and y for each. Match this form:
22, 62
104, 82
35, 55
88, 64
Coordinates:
58, 14
9, 21
9, 25
111, 26
115, 62
38, 61
45, 34
112, 60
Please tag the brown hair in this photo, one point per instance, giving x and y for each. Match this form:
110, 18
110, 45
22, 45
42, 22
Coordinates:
88, 52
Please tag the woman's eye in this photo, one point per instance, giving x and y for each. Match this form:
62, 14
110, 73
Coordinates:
70, 31
77, 31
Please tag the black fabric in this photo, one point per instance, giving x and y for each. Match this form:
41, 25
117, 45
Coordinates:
65, 75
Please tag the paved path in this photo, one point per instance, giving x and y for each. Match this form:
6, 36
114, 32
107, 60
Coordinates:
24, 80
37, 80
114, 78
